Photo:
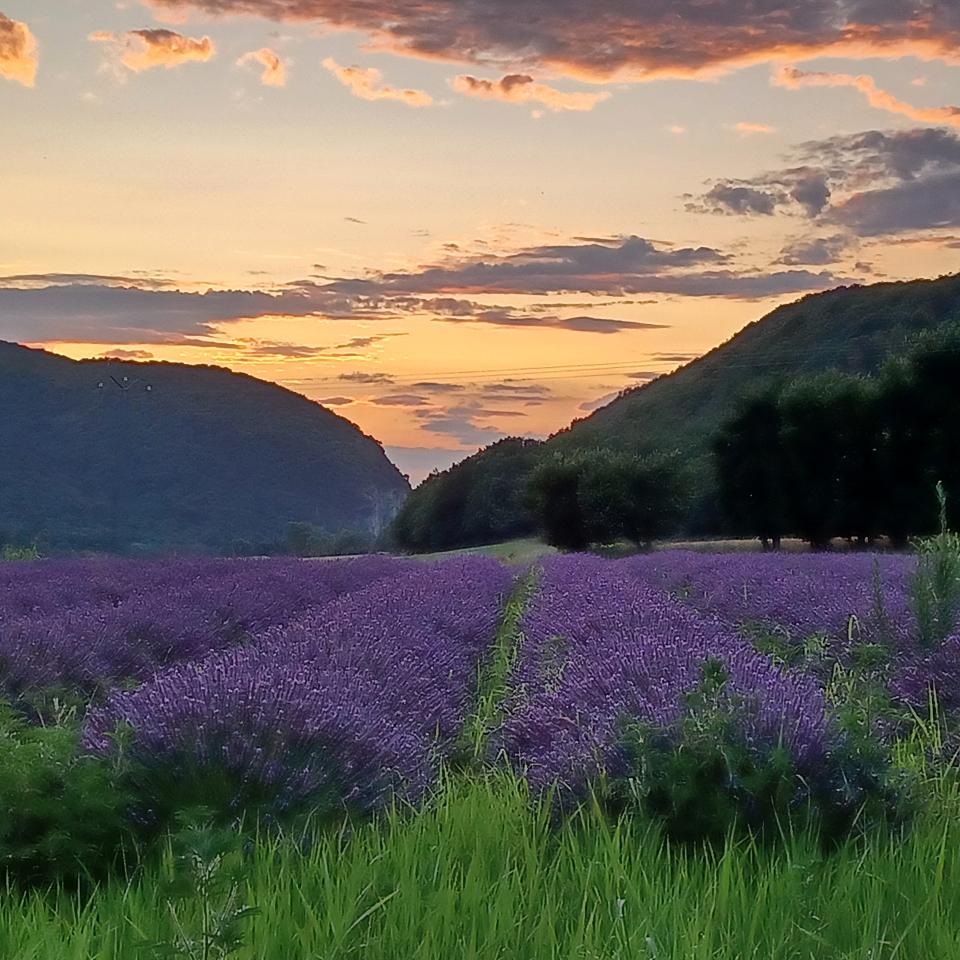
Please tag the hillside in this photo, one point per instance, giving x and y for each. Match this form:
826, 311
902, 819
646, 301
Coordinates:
111, 455
853, 329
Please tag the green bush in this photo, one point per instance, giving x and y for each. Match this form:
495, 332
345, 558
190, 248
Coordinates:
704, 781
62, 814
936, 584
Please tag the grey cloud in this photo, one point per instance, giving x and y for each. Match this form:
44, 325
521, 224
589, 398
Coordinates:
127, 355
801, 251
366, 378
509, 318
431, 387
632, 38
874, 183
631, 266
400, 400
928, 203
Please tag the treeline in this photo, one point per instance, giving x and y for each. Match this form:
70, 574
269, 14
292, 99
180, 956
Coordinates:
821, 457
482, 500
846, 456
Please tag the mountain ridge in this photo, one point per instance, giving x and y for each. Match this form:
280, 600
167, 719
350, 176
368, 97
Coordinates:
158, 456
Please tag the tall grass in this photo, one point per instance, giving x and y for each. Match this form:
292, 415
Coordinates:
936, 586
483, 874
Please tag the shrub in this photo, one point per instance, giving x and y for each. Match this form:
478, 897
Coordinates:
62, 814
701, 777
936, 585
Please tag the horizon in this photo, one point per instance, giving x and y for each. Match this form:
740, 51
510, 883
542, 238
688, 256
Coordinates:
448, 226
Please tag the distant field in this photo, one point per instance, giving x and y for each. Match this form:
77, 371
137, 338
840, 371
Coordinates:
510, 551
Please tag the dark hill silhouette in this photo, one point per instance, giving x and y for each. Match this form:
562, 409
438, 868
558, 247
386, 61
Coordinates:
852, 329
153, 457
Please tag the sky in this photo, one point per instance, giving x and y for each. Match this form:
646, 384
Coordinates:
452, 221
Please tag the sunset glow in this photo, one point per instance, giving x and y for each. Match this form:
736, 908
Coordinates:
452, 222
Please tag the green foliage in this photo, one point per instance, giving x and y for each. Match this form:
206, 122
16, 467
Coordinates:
600, 497
479, 501
936, 583
555, 492
483, 873
203, 893
852, 330
205, 461
702, 780
840, 456
750, 462
494, 680
62, 814
306, 540
10, 552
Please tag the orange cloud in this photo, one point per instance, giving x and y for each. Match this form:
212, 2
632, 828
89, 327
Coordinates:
623, 39
520, 88
140, 50
274, 69
18, 52
794, 79
749, 129
368, 85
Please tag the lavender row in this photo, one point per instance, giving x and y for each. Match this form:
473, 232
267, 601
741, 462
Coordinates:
89, 624
801, 595
844, 598
602, 649
346, 706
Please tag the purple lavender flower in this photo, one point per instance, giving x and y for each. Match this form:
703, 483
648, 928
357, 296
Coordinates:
89, 624
602, 649
357, 701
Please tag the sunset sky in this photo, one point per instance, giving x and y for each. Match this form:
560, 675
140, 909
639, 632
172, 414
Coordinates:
456, 220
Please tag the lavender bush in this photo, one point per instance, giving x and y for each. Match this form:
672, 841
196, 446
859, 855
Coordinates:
85, 625
608, 659
339, 710
800, 595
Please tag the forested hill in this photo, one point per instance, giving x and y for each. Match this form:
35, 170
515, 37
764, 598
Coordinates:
852, 329
114, 455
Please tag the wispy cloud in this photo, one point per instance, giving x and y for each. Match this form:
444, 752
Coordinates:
747, 129
368, 84
523, 89
794, 79
274, 73
139, 50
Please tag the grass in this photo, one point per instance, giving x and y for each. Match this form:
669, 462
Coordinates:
509, 551
481, 874
493, 682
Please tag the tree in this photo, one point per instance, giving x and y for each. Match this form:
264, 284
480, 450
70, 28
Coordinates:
604, 497
748, 458
555, 498
829, 445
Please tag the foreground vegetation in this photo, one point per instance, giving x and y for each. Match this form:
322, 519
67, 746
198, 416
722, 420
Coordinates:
670, 755
480, 874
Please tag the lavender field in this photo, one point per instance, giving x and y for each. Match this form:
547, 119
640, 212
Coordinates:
711, 696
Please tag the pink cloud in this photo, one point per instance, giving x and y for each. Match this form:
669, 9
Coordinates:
794, 79
18, 52
274, 69
368, 85
521, 88
140, 50
623, 39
